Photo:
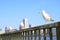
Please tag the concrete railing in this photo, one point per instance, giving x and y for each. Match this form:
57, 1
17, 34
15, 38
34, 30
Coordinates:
42, 32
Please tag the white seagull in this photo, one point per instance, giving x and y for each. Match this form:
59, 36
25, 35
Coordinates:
46, 16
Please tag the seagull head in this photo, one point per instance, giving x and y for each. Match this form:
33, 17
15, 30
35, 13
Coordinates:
42, 11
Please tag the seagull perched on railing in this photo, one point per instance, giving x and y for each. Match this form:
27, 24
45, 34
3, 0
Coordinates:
46, 16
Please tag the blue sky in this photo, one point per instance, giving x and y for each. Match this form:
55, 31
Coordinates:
12, 12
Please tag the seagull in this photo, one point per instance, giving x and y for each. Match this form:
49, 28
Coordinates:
46, 16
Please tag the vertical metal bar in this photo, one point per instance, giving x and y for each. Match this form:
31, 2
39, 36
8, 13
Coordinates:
20, 36
23, 35
34, 34
28, 35
31, 34
58, 31
44, 34
50, 33
39, 35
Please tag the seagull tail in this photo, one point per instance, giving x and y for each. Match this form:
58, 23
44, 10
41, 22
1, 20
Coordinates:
52, 20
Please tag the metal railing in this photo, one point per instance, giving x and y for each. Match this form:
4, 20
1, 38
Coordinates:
35, 33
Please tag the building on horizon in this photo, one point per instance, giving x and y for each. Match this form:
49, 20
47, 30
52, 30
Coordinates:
25, 22
1, 32
21, 26
9, 29
30, 25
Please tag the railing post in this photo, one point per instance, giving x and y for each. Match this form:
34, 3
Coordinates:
58, 31
31, 34
23, 36
39, 35
50, 33
28, 36
44, 34
34, 34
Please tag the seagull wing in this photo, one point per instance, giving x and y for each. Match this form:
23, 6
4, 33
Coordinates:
47, 17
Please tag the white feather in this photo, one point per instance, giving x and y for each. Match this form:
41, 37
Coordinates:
46, 16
